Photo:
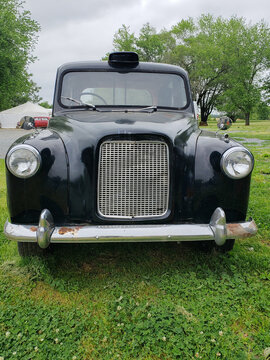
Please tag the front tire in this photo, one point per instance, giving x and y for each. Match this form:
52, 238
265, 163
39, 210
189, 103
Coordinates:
209, 246
228, 246
26, 249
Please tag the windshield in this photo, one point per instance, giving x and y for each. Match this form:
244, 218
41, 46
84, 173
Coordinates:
123, 89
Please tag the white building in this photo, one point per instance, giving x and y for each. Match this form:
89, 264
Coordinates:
10, 117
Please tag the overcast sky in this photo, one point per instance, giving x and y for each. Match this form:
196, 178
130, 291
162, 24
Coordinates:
74, 30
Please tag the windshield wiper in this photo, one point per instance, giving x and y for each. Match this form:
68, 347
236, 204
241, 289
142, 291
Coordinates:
145, 109
91, 106
152, 108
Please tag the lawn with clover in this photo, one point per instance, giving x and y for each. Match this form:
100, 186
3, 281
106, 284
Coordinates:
143, 301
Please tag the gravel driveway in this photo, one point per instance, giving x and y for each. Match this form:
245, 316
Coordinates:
7, 137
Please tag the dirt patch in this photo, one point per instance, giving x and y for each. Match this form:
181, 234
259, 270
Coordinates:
45, 293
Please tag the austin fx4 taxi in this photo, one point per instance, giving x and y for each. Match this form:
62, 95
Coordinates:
123, 159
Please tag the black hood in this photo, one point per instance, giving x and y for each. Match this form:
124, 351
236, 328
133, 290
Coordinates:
93, 126
83, 131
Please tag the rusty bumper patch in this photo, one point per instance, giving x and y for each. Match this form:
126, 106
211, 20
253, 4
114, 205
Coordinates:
71, 230
241, 230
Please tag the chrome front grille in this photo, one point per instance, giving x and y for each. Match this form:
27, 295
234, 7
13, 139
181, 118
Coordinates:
133, 179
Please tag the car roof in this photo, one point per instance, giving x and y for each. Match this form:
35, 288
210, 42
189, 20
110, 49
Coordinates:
104, 65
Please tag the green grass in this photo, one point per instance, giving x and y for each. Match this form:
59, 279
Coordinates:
259, 129
141, 301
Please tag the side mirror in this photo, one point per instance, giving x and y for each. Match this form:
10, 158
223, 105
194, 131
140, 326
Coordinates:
224, 123
26, 123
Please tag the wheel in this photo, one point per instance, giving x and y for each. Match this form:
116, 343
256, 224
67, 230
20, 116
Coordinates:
202, 246
208, 246
228, 246
26, 249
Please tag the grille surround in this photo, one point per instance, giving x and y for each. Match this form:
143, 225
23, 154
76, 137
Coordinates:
133, 179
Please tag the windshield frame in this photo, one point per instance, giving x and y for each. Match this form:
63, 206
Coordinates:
121, 107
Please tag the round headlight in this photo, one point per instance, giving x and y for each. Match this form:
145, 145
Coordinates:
23, 161
237, 162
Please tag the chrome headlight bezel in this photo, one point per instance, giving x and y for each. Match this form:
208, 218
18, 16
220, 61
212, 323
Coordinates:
226, 157
30, 148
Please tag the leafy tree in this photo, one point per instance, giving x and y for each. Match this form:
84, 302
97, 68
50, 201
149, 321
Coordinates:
17, 39
227, 59
198, 50
45, 104
191, 45
248, 56
150, 45
263, 111
123, 40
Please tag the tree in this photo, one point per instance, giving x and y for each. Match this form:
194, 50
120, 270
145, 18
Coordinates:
17, 39
200, 49
192, 45
227, 59
45, 104
123, 40
263, 111
150, 45
248, 52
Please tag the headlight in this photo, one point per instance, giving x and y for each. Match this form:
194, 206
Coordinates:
237, 162
23, 161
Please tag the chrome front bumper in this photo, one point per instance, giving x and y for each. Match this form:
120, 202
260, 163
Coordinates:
46, 233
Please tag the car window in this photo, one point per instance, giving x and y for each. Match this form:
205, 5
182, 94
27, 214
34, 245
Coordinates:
116, 96
124, 89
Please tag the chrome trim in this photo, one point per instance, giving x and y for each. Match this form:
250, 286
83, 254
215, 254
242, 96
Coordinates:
30, 148
229, 152
111, 187
45, 229
218, 225
22, 233
133, 233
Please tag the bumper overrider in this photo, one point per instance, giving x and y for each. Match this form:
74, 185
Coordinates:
46, 232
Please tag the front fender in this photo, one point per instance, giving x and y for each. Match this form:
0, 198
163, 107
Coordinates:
212, 187
47, 189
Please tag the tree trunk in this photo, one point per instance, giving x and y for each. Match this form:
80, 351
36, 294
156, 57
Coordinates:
247, 115
205, 111
232, 116
204, 118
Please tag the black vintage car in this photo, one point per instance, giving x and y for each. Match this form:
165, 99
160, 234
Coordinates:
123, 160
